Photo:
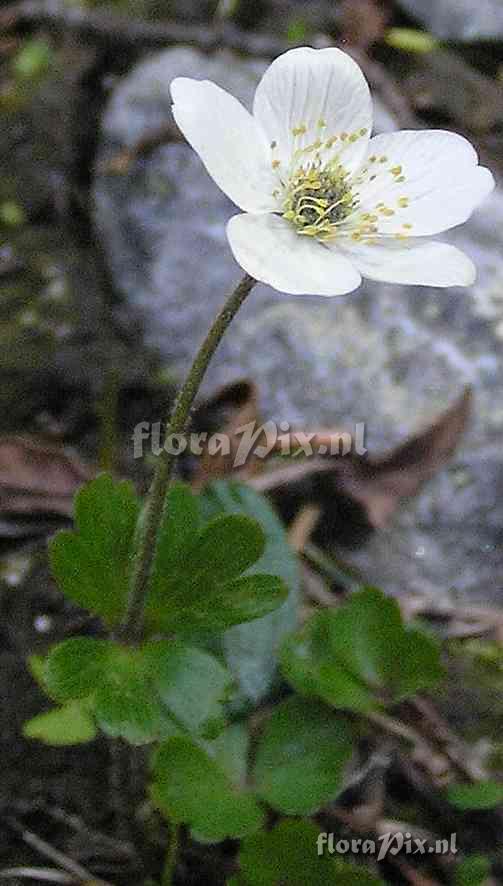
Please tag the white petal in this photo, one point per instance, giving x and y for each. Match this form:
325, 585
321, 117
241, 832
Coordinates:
268, 248
436, 172
228, 140
309, 87
414, 262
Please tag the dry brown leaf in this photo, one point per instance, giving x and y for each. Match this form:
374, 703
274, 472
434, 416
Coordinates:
358, 494
355, 494
36, 478
228, 411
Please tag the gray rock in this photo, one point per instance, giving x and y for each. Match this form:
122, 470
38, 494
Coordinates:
458, 19
389, 356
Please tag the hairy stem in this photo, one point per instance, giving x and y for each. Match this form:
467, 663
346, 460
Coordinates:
131, 630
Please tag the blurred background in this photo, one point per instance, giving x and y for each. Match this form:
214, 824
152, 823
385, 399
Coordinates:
113, 260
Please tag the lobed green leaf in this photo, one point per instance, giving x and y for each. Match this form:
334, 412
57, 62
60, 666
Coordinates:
92, 565
192, 788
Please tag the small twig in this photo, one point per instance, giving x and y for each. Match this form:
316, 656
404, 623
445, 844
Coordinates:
490, 616
303, 526
327, 566
397, 728
351, 820
316, 589
449, 743
121, 849
55, 855
50, 875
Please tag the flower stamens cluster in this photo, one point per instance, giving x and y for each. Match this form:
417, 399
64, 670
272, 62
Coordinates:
317, 199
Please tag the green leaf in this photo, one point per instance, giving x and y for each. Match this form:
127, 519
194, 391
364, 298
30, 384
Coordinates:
36, 666
179, 528
125, 703
196, 584
288, 855
411, 40
93, 565
420, 665
483, 795
113, 678
243, 600
67, 725
191, 684
297, 31
302, 756
361, 656
12, 215
474, 870
142, 695
230, 751
250, 650
191, 788
225, 548
75, 667
33, 59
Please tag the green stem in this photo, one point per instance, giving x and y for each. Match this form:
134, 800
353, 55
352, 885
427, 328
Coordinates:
133, 621
108, 414
169, 869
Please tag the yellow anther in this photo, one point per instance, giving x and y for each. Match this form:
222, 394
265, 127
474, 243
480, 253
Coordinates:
363, 132
403, 202
401, 179
407, 227
344, 136
354, 137
322, 123
373, 158
383, 159
397, 170
380, 205
400, 236
299, 130
275, 164
356, 236
387, 212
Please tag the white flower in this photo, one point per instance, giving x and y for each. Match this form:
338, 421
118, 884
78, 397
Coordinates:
324, 204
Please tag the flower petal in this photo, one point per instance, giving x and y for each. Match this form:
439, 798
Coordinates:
414, 262
228, 140
421, 182
268, 248
322, 90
